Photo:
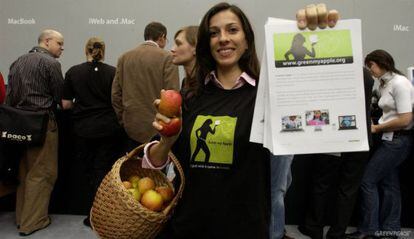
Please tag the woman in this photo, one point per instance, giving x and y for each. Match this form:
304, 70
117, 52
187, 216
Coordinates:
184, 52
381, 173
228, 196
87, 90
225, 197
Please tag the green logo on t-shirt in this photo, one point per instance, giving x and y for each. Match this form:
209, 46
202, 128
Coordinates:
212, 139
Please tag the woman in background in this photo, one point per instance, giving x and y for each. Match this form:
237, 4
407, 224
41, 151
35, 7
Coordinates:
184, 54
380, 182
98, 135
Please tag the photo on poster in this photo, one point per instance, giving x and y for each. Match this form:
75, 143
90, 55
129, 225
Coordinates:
299, 49
292, 123
347, 122
317, 117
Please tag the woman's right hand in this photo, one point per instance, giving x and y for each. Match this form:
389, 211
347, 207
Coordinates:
158, 153
169, 141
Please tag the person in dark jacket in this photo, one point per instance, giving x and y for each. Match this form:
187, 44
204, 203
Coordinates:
99, 137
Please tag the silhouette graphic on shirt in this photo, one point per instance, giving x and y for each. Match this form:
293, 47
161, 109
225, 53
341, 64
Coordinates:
201, 134
298, 50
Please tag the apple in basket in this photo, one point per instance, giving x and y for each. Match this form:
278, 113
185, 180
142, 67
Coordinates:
145, 184
172, 128
170, 104
127, 184
152, 200
135, 193
166, 193
134, 181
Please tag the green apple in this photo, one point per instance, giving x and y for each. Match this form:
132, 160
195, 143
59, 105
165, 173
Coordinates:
135, 193
134, 179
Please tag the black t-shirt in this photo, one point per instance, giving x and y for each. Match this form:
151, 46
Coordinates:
90, 85
227, 188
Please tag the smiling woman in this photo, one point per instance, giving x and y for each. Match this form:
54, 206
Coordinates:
226, 203
228, 193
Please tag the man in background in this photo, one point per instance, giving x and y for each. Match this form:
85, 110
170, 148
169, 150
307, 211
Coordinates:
35, 82
140, 75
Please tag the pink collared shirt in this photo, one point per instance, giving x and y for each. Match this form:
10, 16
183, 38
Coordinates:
243, 79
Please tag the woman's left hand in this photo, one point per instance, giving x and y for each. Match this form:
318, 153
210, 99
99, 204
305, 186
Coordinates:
316, 15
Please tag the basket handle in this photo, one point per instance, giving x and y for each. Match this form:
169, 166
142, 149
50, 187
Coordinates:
182, 184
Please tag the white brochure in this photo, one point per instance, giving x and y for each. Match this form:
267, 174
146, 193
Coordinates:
312, 100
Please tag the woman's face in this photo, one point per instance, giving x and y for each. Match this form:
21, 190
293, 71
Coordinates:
375, 70
227, 39
183, 53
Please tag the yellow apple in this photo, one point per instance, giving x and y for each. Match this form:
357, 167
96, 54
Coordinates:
145, 184
152, 200
166, 193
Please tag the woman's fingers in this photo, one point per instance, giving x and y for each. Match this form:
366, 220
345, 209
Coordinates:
333, 17
157, 125
161, 117
322, 15
301, 19
156, 103
314, 16
311, 16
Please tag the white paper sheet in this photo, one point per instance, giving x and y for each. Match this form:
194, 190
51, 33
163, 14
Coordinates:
312, 100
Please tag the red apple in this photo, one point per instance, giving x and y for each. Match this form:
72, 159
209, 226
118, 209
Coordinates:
166, 193
152, 200
170, 103
171, 128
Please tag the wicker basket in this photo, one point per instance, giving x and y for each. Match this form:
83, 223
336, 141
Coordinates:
116, 214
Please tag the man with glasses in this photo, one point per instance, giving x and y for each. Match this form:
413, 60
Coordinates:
140, 75
35, 82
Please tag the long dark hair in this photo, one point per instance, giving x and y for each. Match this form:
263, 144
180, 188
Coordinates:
205, 62
383, 59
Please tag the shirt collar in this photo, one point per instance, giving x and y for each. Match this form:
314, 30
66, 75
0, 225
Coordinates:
387, 76
384, 79
40, 49
152, 42
243, 79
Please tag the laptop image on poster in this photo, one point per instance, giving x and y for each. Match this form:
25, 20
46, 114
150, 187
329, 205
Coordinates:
292, 123
347, 122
